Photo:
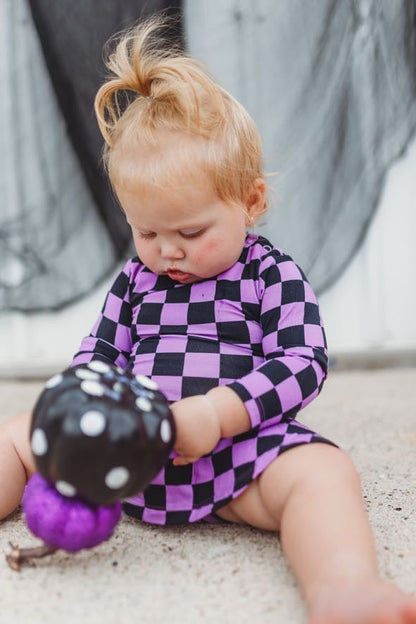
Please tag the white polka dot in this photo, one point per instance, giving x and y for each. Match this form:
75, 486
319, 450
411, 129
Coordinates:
118, 387
146, 382
92, 423
65, 488
117, 477
39, 443
84, 373
165, 431
54, 381
144, 404
92, 387
98, 366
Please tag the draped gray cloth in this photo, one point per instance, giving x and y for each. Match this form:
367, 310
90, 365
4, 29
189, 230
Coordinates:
61, 231
332, 86
53, 245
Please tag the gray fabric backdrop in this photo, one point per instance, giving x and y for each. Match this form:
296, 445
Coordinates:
331, 84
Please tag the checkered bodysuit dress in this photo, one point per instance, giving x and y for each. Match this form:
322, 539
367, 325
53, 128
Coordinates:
256, 328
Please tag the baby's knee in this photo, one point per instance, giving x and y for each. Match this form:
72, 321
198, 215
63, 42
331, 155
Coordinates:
16, 430
312, 467
334, 466
18, 425
328, 468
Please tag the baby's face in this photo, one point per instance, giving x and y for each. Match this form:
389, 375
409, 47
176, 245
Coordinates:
185, 231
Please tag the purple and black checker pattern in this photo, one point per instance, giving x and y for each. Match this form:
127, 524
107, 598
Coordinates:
256, 328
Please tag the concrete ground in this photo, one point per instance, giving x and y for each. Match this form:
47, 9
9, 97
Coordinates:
226, 574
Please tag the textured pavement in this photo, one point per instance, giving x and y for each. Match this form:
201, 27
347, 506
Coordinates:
226, 574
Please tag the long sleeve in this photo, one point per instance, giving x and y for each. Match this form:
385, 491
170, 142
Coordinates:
110, 338
294, 344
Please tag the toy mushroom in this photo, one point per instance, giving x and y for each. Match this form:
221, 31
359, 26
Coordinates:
98, 435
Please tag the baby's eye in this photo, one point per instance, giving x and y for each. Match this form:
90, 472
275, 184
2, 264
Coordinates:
192, 233
147, 235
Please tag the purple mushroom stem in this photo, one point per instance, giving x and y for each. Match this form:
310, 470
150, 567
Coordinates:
19, 556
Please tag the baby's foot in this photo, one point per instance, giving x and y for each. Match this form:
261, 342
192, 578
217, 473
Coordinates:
370, 603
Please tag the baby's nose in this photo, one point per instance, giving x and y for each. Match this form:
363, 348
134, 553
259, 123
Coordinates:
171, 251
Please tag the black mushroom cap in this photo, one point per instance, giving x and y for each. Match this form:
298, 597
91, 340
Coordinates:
100, 433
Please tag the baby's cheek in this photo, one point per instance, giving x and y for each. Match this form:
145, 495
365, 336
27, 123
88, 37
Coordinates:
211, 248
146, 254
217, 244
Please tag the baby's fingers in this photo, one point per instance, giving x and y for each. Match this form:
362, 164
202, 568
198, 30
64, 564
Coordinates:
183, 461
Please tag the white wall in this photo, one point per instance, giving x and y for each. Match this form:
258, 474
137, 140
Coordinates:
373, 305
38, 344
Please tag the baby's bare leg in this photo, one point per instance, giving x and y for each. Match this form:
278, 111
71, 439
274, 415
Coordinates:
312, 495
16, 461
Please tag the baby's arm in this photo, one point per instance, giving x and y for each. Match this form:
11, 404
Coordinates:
290, 377
293, 344
110, 338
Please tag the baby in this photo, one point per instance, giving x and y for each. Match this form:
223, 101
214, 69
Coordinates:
229, 329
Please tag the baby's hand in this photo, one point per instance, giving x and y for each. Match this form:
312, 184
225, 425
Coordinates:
198, 428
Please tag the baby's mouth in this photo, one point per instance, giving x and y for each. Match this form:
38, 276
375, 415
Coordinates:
178, 275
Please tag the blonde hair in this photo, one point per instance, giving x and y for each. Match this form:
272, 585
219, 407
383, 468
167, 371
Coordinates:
155, 91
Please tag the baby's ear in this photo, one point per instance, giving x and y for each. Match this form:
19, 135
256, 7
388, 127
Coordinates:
256, 201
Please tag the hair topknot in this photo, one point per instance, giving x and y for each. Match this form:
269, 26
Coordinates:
146, 65
155, 90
